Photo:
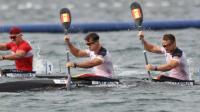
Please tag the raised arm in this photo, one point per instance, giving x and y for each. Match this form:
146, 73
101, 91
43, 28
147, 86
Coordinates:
148, 46
75, 51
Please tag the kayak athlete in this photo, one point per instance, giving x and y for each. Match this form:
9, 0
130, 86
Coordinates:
21, 50
100, 59
176, 61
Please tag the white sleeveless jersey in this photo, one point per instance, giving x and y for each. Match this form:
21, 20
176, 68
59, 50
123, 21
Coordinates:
182, 70
106, 68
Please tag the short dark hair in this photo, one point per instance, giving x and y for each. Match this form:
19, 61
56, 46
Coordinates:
169, 37
93, 36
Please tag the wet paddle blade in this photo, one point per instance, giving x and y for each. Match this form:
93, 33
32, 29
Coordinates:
137, 14
65, 18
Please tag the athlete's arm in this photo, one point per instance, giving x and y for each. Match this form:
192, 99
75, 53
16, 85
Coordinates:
164, 67
3, 46
90, 63
151, 47
75, 51
168, 66
85, 64
17, 55
148, 46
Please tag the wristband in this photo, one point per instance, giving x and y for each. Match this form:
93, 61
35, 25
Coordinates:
3, 57
156, 68
75, 65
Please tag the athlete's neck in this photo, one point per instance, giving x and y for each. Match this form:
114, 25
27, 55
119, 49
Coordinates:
19, 41
98, 49
172, 51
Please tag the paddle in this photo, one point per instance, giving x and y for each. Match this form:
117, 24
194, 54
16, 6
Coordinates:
137, 14
65, 18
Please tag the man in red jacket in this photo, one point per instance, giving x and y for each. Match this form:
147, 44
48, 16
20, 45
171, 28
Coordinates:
21, 51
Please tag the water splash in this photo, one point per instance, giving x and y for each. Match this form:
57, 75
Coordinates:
42, 65
193, 67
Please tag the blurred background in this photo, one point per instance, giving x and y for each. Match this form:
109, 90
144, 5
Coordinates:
124, 46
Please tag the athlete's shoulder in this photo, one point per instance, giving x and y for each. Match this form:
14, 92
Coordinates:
25, 44
102, 51
177, 52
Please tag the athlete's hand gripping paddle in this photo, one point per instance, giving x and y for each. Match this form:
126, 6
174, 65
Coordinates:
137, 14
65, 18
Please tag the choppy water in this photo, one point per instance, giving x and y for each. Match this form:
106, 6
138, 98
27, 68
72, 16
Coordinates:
125, 49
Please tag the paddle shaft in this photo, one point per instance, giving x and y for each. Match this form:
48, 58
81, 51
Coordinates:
68, 68
145, 53
137, 14
146, 59
65, 17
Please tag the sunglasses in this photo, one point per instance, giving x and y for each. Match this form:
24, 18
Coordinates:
167, 45
90, 43
13, 37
